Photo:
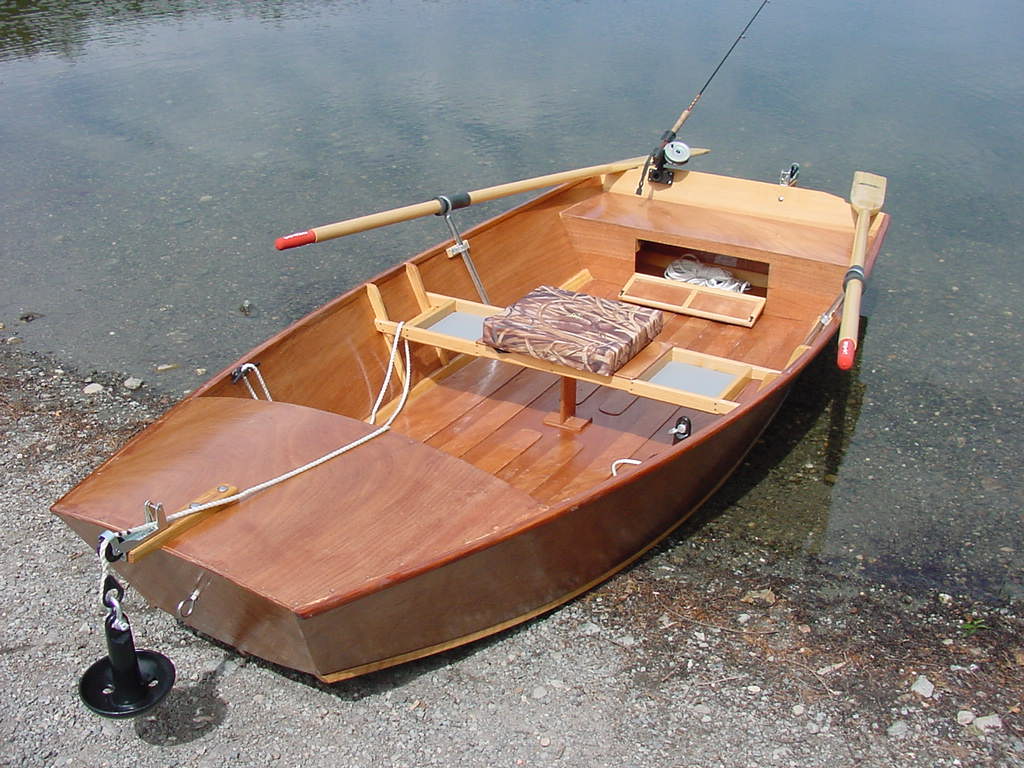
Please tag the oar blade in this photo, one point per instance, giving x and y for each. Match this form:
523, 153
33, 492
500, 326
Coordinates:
867, 192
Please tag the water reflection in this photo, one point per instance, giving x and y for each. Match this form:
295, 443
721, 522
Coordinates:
32, 27
783, 490
152, 151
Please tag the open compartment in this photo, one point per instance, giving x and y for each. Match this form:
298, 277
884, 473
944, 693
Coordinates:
652, 258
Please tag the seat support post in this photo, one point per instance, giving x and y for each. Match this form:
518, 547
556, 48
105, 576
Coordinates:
566, 417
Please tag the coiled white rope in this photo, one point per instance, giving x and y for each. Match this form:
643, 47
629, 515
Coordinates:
689, 270
152, 526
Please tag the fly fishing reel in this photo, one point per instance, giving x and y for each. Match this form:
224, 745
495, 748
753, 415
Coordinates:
667, 160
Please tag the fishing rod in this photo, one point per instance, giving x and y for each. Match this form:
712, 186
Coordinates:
670, 154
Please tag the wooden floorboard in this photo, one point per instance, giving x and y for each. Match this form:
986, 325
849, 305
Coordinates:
434, 409
607, 439
499, 456
491, 414
772, 345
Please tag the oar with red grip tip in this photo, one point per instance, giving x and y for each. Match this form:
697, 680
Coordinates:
866, 198
461, 200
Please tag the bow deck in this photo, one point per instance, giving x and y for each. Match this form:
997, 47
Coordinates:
389, 510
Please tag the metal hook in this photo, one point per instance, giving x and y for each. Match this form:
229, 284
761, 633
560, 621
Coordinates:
186, 606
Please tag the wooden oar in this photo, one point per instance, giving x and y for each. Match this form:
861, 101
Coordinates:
461, 200
866, 198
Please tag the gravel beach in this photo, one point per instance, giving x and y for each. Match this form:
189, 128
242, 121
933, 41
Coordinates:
715, 650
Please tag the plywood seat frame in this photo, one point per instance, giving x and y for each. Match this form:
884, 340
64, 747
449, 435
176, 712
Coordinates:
629, 378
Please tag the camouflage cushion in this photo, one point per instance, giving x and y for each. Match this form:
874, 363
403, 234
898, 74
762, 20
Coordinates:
573, 329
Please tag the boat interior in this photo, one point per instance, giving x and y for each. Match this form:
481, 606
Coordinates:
546, 429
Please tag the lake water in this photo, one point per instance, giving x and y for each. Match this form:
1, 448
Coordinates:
151, 152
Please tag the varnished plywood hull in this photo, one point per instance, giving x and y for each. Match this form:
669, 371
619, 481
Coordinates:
486, 591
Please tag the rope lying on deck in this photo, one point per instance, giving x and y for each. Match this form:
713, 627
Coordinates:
152, 526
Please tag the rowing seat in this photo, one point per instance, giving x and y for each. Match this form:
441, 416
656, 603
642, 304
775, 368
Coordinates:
576, 330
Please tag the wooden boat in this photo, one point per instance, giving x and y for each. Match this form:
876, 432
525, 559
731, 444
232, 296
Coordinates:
492, 497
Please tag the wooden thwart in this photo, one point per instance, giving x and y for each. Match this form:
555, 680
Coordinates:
630, 378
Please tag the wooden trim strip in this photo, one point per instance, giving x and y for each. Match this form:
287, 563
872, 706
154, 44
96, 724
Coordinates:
381, 313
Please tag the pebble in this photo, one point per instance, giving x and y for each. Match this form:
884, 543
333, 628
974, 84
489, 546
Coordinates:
798, 709
765, 596
132, 382
965, 717
539, 692
988, 723
165, 367
92, 389
923, 687
898, 729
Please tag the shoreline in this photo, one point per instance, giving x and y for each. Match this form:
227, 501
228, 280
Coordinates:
716, 649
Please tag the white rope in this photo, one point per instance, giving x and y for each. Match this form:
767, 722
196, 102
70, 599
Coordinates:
244, 371
689, 270
152, 526
104, 570
619, 462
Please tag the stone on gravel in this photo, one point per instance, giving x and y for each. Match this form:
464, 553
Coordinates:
965, 717
898, 729
132, 383
988, 723
92, 389
923, 687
